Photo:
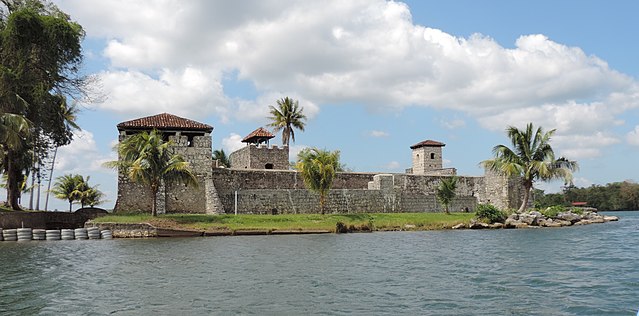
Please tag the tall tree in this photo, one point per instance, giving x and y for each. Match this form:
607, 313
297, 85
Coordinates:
531, 158
285, 117
69, 114
40, 59
318, 168
146, 158
445, 191
222, 158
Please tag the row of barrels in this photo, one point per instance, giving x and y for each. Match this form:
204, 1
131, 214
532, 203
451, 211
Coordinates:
20, 234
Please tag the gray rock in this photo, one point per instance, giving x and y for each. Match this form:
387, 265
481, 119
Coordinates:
496, 225
478, 225
569, 216
459, 226
611, 218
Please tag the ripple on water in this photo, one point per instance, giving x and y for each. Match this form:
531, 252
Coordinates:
589, 270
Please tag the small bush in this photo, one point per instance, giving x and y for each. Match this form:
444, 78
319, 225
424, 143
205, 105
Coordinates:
577, 210
552, 211
490, 213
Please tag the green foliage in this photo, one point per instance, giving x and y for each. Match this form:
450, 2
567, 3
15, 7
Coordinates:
40, 59
552, 211
146, 158
490, 213
285, 117
221, 157
318, 167
445, 191
531, 158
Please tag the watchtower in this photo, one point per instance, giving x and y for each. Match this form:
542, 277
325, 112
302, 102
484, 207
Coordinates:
258, 155
427, 157
191, 140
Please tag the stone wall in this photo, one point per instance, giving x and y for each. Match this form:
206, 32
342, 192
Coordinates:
503, 192
175, 197
260, 157
301, 201
266, 191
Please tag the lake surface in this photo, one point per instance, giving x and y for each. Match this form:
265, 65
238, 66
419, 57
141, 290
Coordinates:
587, 270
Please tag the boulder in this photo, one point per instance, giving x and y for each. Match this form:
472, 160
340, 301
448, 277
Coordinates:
526, 218
496, 225
478, 225
611, 218
569, 216
459, 226
522, 225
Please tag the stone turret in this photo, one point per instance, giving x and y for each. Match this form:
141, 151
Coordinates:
191, 140
427, 159
258, 154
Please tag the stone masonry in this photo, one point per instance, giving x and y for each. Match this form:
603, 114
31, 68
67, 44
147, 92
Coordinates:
260, 181
260, 156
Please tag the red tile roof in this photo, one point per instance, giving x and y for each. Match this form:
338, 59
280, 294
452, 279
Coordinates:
428, 143
257, 134
165, 121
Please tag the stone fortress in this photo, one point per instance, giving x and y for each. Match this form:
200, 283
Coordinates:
260, 181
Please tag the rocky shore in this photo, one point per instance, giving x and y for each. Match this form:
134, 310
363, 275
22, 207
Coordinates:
534, 219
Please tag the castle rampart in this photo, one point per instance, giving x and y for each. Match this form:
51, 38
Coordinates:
260, 156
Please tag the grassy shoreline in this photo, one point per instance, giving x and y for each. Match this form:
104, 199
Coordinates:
296, 222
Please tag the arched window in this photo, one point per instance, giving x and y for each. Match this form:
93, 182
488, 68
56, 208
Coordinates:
432, 155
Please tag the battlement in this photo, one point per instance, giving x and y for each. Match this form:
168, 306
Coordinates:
260, 156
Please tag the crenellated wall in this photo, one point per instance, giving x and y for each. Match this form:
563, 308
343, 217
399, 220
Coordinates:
260, 157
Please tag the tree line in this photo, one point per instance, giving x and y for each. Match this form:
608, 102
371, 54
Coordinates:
616, 196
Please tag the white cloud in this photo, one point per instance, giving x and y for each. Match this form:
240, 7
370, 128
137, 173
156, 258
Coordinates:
294, 150
232, 143
172, 55
82, 156
633, 136
453, 124
378, 134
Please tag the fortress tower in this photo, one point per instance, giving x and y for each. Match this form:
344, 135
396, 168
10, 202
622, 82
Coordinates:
427, 157
191, 140
258, 155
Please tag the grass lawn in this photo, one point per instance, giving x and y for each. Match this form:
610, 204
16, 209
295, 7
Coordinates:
362, 222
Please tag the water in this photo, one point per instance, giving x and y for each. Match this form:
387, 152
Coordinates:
588, 270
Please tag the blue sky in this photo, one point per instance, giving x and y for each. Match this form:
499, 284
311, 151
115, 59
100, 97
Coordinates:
374, 77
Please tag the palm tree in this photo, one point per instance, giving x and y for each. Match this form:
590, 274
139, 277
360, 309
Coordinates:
445, 192
531, 158
92, 196
69, 187
69, 114
146, 158
285, 117
221, 157
318, 168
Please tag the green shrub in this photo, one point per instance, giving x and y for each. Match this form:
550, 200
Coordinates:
553, 211
577, 210
490, 213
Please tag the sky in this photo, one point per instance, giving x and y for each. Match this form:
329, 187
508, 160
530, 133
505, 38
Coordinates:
373, 77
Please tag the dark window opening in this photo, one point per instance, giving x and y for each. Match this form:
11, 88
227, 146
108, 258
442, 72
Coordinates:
268, 166
432, 155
